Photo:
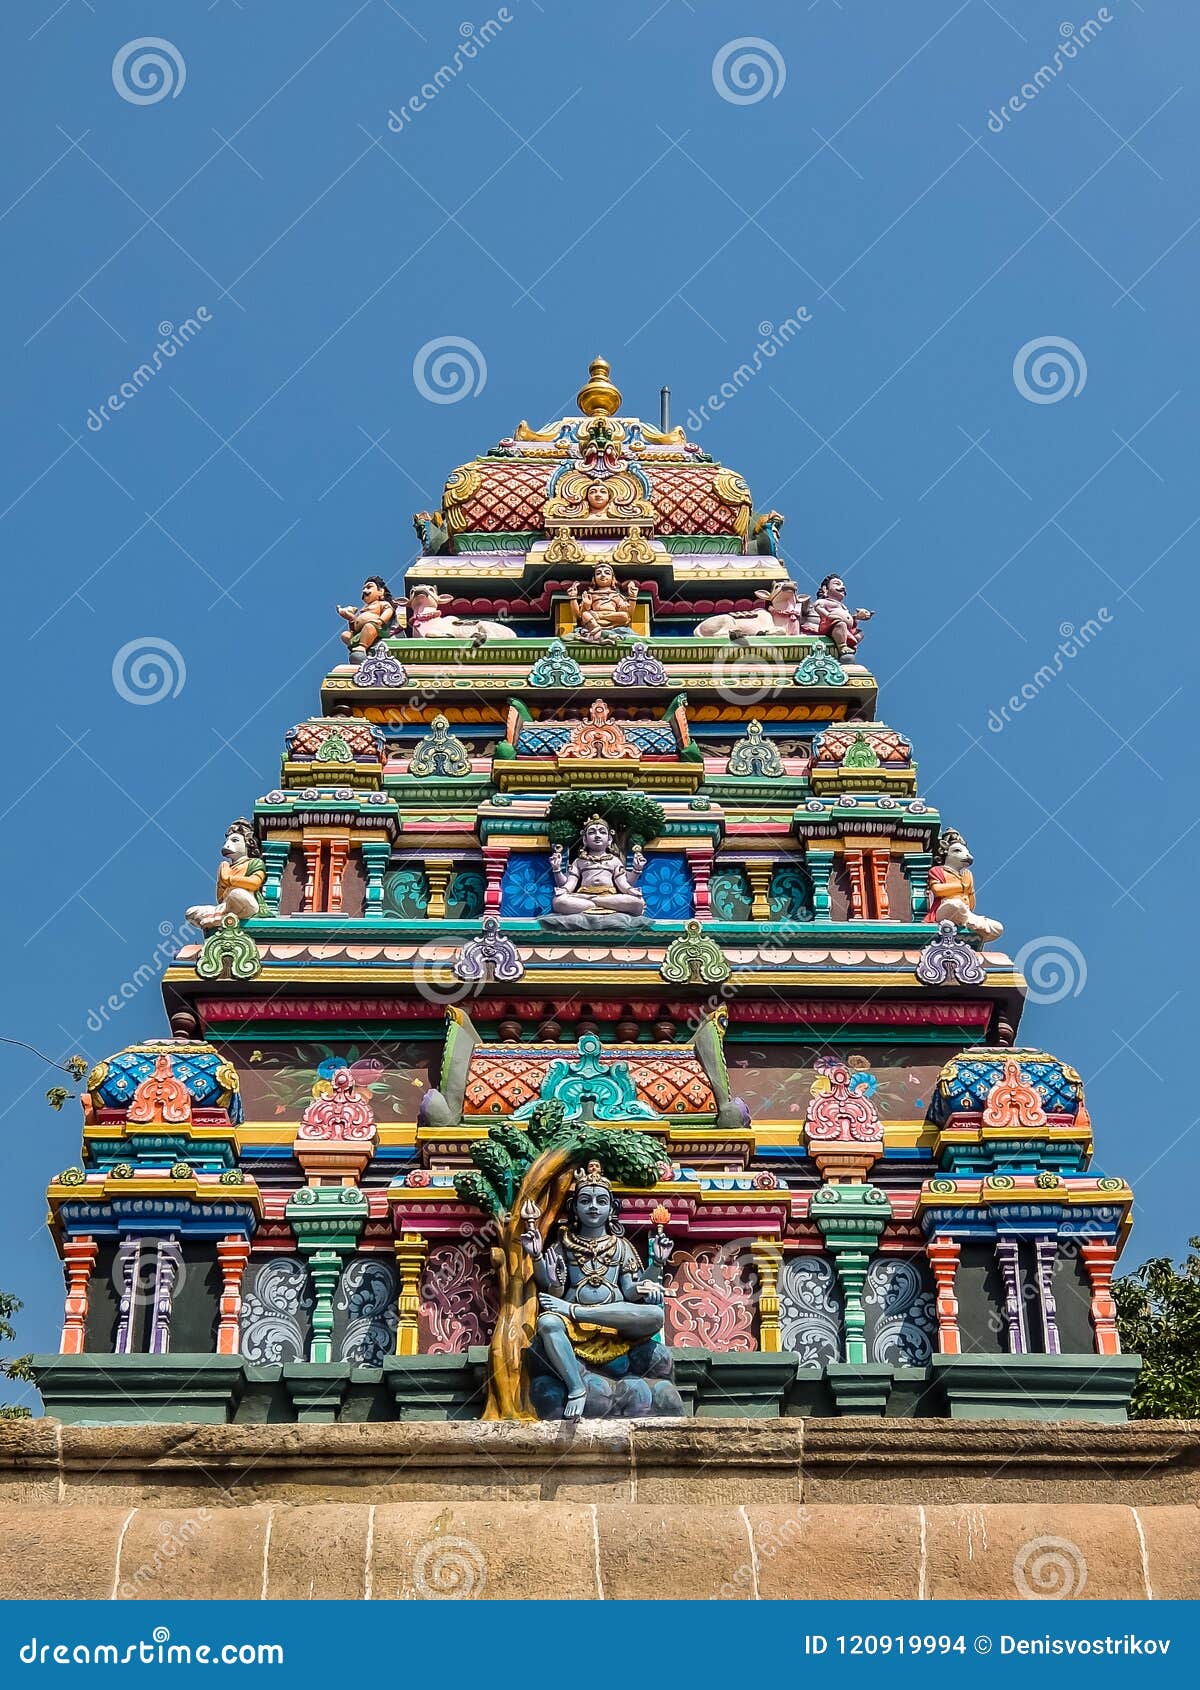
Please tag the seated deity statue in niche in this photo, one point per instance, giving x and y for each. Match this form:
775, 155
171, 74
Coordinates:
598, 1350
239, 880
602, 610
368, 621
597, 883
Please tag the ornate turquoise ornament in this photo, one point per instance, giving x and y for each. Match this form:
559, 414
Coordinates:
439, 753
555, 668
694, 959
820, 669
755, 755
606, 1087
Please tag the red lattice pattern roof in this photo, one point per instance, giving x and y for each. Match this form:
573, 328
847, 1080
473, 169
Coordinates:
510, 498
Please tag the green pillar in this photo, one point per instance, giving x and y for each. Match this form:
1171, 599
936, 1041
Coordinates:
275, 856
377, 854
917, 865
328, 1221
851, 1219
820, 866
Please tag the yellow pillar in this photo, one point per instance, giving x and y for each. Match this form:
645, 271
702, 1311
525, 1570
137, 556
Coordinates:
437, 872
766, 1261
759, 876
411, 1249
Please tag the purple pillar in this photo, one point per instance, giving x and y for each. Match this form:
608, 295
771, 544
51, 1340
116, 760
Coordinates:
1047, 1251
129, 1261
1014, 1306
166, 1277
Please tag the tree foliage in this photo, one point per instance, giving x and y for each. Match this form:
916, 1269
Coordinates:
639, 818
18, 1366
1158, 1317
506, 1155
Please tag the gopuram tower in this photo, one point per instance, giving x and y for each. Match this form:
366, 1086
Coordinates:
590, 1019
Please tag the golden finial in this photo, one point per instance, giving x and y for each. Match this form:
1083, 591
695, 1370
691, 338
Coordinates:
598, 395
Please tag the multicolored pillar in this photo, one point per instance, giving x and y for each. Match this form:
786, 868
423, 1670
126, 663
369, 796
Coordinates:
79, 1258
944, 1256
1100, 1258
411, 1250
232, 1255
851, 1219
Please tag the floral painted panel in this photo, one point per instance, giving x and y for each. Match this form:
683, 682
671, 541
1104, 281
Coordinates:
458, 1298
277, 1304
901, 1308
711, 1298
810, 1310
365, 1312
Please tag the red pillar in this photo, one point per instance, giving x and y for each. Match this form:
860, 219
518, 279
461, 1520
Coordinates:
943, 1256
1099, 1259
232, 1253
700, 862
79, 1258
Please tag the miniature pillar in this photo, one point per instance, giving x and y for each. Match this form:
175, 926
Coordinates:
879, 861
411, 1249
917, 865
766, 1261
943, 1256
858, 886
325, 1266
851, 1218
168, 1263
1014, 1304
232, 1254
437, 872
758, 873
313, 887
700, 862
129, 1258
1047, 1251
495, 861
339, 852
275, 856
79, 1258
1099, 1258
377, 854
820, 866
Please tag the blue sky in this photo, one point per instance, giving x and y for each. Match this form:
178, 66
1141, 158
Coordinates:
585, 184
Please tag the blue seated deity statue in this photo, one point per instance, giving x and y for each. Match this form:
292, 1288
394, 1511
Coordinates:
598, 1350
